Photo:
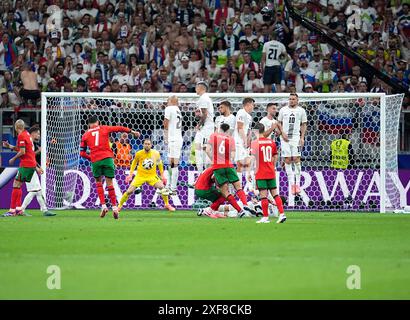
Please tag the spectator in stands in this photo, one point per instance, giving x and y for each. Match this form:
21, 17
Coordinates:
326, 78
30, 91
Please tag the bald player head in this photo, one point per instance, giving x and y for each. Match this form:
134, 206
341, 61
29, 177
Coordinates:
173, 100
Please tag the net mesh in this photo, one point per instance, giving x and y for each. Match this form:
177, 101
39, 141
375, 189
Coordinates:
69, 180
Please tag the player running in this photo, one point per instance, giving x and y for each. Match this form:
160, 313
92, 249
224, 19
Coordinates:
293, 120
102, 159
225, 109
241, 135
147, 174
221, 149
173, 138
205, 126
264, 155
28, 165
33, 186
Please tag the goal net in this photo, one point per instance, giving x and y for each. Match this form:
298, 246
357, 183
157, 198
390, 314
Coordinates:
371, 122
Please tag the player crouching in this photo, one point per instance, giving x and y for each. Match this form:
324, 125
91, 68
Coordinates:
264, 155
146, 162
205, 189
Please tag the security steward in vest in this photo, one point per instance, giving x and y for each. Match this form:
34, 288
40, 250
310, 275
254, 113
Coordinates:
342, 153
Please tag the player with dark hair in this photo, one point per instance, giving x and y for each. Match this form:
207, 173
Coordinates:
102, 159
264, 156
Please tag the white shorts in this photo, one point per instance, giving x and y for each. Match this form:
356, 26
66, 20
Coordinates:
174, 149
290, 149
34, 184
202, 136
241, 153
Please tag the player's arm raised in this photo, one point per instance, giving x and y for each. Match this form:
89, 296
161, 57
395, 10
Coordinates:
123, 129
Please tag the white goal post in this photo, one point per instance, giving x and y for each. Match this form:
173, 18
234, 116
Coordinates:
371, 120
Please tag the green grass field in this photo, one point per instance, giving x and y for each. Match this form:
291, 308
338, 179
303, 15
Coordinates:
160, 255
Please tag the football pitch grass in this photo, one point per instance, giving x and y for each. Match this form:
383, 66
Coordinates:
161, 255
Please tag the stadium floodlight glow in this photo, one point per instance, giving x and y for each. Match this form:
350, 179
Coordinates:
371, 120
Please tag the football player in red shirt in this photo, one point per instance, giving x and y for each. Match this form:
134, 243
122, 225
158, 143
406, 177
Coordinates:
221, 149
264, 155
102, 159
28, 165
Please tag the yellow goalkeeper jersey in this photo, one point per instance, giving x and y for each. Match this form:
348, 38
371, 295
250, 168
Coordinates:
139, 158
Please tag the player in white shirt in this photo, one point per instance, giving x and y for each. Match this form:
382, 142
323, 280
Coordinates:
205, 126
271, 67
293, 120
241, 135
272, 126
225, 109
173, 138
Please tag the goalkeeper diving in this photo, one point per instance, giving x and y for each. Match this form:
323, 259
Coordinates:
146, 162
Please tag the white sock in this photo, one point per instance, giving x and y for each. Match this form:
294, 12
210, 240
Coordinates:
290, 174
199, 160
41, 201
298, 171
174, 177
27, 200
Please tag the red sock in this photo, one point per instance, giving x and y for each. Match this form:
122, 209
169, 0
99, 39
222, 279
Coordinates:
14, 195
217, 203
279, 204
265, 207
18, 199
111, 193
241, 195
233, 202
100, 191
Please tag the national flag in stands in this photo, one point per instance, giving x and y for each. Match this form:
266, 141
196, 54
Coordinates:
371, 126
334, 119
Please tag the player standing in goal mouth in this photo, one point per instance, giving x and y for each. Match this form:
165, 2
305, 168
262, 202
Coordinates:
264, 156
146, 162
293, 120
102, 159
173, 138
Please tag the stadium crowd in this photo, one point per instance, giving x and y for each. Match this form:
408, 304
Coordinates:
169, 45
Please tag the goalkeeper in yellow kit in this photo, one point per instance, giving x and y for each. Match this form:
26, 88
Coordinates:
146, 175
